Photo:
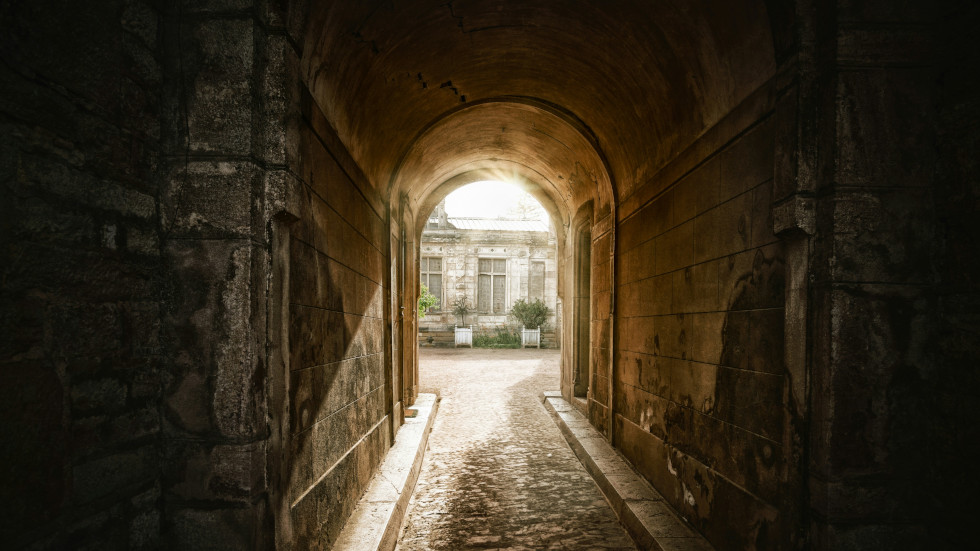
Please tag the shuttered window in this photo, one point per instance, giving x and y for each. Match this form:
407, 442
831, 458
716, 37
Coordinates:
535, 283
431, 268
492, 285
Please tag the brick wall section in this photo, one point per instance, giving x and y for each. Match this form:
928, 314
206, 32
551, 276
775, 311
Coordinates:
80, 299
338, 415
699, 396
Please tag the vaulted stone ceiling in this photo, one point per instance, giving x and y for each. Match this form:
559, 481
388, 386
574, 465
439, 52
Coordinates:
574, 96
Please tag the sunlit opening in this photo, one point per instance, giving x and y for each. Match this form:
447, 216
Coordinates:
494, 199
488, 270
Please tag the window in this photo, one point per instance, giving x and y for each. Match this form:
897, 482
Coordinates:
535, 282
492, 285
431, 269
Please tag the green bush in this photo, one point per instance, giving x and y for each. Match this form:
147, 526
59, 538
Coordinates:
530, 314
502, 338
426, 300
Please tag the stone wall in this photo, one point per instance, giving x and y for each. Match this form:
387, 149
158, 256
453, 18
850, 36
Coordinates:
699, 396
339, 396
600, 313
888, 312
229, 167
80, 263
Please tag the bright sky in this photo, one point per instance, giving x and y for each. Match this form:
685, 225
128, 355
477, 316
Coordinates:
484, 200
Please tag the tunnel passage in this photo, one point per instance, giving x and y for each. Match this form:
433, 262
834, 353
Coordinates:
210, 242
660, 199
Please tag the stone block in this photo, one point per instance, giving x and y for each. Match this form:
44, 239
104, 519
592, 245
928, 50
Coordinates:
638, 262
210, 199
301, 405
91, 329
706, 342
868, 417
215, 528
880, 237
647, 453
336, 238
871, 536
636, 334
761, 233
104, 395
230, 473
95, 434
651, 220
317, 336
220, 85
646, 410
601, 305
104, 476
695, 288
647, 372
758, 466
334, 385
600, 366
332, 184
320, 515
300, 477
654, 295
337, 434
144, 531
696, 192
752, 279
671, 338
599, 413
32, 404
884, 117
693, 384
766, 342
723, 230
747, 521
747, 162
675, 248
750, 400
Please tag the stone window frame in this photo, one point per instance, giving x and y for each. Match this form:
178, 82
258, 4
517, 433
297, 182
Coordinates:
424, 277
493, 274
544, 278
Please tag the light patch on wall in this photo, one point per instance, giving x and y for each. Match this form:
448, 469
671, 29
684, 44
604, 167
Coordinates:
688, 496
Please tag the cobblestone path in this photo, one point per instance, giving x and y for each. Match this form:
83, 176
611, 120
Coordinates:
498, 474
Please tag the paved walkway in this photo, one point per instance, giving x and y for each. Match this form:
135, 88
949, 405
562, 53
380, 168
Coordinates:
498, 474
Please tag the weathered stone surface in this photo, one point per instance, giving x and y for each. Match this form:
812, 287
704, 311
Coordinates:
487, 485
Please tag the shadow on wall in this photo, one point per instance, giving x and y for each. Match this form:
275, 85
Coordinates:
339, 427
728, 464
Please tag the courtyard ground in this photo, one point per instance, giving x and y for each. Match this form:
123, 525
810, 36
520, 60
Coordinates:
498, 473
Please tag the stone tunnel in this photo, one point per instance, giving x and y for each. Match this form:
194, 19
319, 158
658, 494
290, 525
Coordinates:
765, 214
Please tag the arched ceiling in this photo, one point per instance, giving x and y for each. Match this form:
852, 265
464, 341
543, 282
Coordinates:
508, 140
421, 91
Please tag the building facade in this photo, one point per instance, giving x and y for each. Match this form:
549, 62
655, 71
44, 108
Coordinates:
491, 263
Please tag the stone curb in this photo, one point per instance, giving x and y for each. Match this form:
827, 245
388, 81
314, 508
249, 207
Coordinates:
649, 519
375, 523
